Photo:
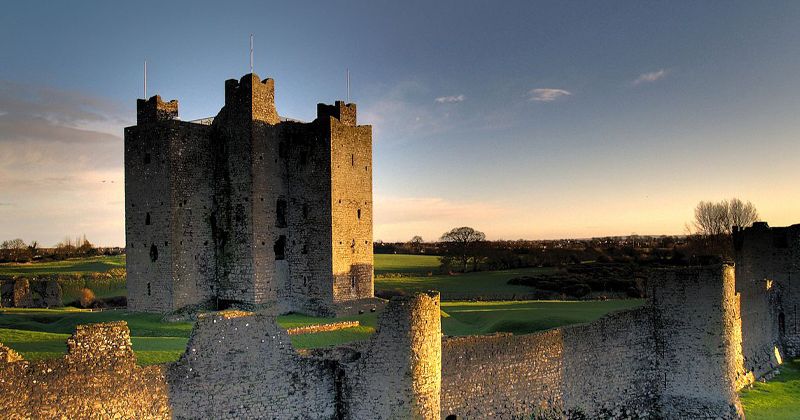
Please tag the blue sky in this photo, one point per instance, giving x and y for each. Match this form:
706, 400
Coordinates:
521, 119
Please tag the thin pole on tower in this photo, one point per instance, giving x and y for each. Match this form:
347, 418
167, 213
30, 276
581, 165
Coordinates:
348, 86
251, 53
145, 79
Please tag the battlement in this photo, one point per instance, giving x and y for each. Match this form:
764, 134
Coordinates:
252, 96
761, 235
154, 109
345, 113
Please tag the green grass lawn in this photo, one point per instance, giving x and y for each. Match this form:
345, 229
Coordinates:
777, 399
400, 264
99, 264
481, 285
38, 334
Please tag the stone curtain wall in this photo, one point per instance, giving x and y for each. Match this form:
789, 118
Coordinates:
240, 365
593, 369
608, 365
97, 378
501, 375
677, 357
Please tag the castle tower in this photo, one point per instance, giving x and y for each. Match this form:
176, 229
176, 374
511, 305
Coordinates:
168, 201
767, 270
264, 210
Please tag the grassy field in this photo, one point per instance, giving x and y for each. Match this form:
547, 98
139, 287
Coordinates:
89, 265
482, 285
778, 399
38, 334
407, 273
399, 264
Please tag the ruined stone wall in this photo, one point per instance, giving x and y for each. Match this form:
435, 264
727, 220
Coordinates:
97, 378
19, 292
501, 375
608, 365
584, 369
679, 356
351, 204
241, 365
767, 269
698, 335
398, 373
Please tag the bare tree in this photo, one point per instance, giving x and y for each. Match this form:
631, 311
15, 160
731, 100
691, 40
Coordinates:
15, 249
741, 214
463, 244
715, 219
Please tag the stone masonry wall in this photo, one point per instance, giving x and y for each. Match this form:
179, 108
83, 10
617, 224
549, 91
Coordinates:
242, 365
242, 211
676, 357
698, 334
168, 202
579, 369
767, 270
97, 378
351, 202
398, 373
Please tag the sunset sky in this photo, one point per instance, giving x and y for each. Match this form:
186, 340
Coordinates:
532, 120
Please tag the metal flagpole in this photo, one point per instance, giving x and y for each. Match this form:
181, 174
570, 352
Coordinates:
145, 79
251, 53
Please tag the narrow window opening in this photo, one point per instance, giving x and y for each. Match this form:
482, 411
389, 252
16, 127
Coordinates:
280, 248
305, 211
352, 160
153, 253
359, 214
147, 158
148, 288
280, 211
451, 417
147, 219
353, 281
305, 249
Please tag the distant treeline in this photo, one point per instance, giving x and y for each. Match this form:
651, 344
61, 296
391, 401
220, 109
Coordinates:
503, 254
16, 250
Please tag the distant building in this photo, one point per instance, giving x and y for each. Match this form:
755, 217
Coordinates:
248, 208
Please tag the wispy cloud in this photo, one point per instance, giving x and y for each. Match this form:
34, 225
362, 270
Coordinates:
450, 99
650, 77
547, 94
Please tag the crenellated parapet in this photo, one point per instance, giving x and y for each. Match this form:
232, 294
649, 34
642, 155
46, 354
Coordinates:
252, 97
345, 113
154, 110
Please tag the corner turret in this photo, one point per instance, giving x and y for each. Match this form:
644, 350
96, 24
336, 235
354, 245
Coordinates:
345, 113
251, 96
154, 109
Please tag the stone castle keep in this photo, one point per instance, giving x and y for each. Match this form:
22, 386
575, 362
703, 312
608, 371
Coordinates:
248, 208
